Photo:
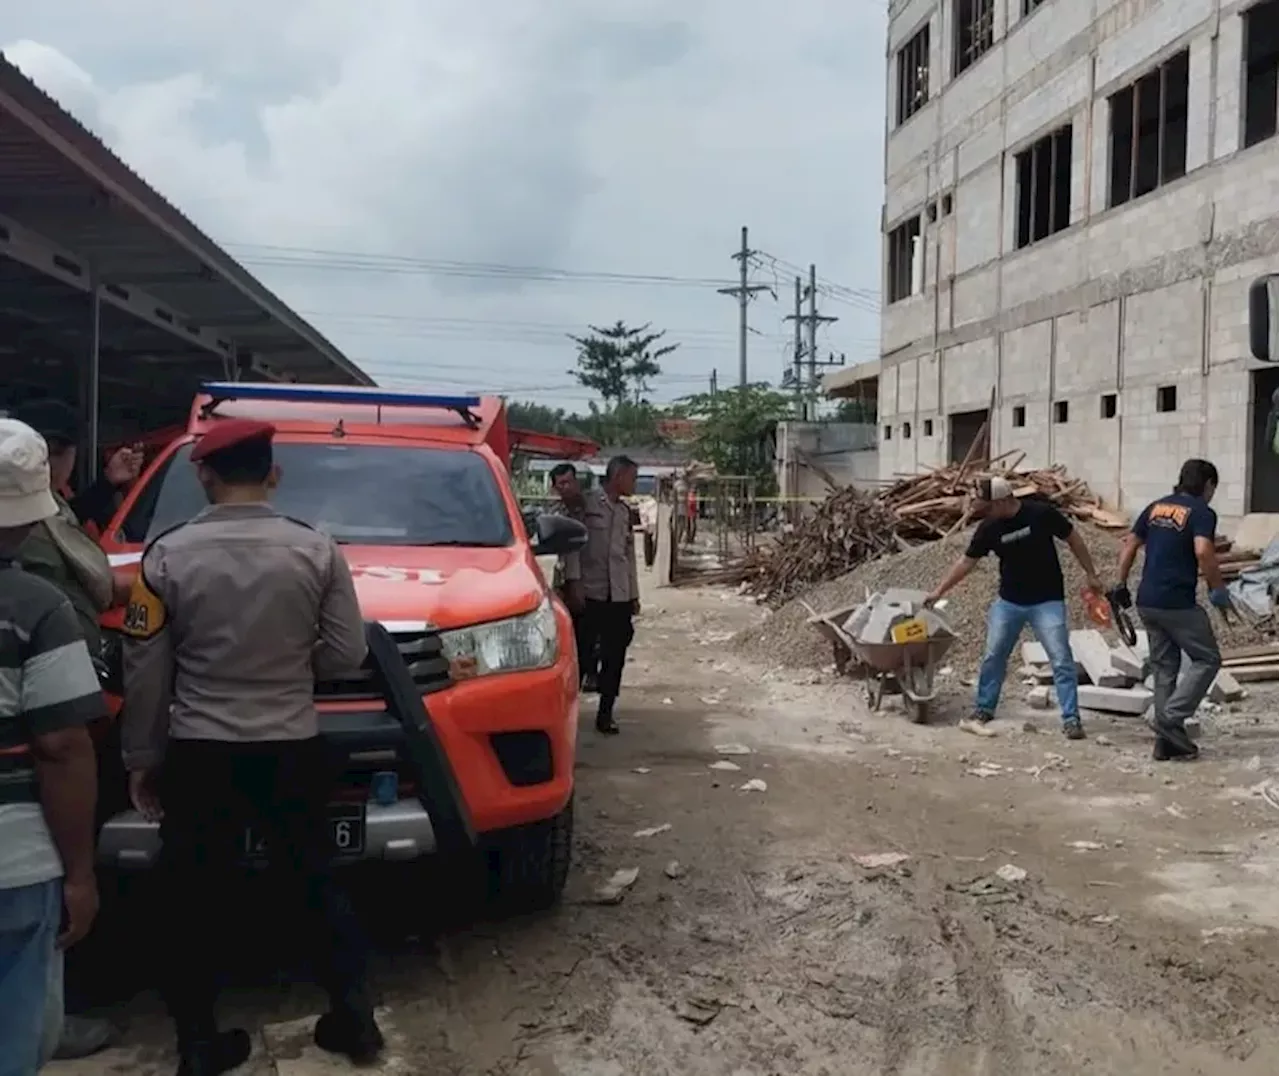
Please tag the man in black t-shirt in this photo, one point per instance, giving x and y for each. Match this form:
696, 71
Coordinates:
1022, 534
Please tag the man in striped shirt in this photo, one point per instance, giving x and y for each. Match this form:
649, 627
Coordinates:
49, 692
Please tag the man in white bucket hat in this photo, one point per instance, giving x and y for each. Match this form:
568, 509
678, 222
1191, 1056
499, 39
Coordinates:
49, 692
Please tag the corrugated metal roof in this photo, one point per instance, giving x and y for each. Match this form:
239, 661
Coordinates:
60, 180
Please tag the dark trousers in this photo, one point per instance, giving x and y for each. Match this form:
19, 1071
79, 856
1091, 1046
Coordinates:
611, 627
212, 793
1172, 633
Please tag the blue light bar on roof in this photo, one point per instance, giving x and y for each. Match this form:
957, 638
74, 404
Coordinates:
340, 394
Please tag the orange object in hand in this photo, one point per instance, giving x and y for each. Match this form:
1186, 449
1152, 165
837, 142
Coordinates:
1096, 606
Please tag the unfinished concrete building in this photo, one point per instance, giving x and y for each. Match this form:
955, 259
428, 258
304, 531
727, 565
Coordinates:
1078, 194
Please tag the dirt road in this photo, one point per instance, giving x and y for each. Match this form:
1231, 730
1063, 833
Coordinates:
1141, 939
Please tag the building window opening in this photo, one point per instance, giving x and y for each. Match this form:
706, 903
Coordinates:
1028, 6
1108, 406
975, 32
1060, 411
1019, 416
928, 427
1149, 131
906, 260
906, 431
888, 433
1167, 398
1044, 187
1261, 45
913, 75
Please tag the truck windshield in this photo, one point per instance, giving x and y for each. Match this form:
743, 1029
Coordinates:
357, 494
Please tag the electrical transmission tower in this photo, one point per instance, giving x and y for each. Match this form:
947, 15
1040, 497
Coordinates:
806, 347
743, 293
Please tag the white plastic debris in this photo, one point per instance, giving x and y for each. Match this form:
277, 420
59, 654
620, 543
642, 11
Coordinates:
754, 785
1087, 846
732, 749
724, 764
616, 887
652, 831
880, 860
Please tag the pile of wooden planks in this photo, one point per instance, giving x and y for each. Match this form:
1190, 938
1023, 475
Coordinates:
1252, 664
940, 501
1115, 679
852, 526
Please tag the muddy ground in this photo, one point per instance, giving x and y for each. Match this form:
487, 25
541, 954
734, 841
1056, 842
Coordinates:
1142, 938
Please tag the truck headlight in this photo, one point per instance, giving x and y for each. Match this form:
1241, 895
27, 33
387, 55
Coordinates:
521, 642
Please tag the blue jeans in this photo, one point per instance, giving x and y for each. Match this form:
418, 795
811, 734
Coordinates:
1048, 622
30, 977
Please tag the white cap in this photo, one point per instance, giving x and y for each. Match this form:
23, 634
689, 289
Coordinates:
994, 489
24, 476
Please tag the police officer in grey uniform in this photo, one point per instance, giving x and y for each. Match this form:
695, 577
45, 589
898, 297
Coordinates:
233, 617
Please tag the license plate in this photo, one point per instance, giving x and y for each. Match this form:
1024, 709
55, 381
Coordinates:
910, 631
346, 828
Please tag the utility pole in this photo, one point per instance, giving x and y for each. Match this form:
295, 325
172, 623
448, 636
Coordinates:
743, 293
809, 350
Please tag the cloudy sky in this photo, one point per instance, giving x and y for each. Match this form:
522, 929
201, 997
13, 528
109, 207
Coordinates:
447, 189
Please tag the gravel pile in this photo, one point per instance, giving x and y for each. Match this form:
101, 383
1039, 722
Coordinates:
785, 639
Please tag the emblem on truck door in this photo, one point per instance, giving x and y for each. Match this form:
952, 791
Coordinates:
427, 576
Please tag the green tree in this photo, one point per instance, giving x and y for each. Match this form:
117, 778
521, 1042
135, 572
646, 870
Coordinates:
539, 418
855, 410
619, 362
733, 428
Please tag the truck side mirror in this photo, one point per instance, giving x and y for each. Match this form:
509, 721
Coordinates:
555, 535
1262, 318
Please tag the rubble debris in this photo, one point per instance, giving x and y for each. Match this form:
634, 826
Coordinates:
698, 1010
724, 764
732, 749
852, 526
881, 860
1087, 846
1225, 687
673, 870
1038, 698
1011, 873
653, 831
754, 785
612, 891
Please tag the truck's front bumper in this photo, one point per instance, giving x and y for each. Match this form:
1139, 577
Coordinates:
401, 831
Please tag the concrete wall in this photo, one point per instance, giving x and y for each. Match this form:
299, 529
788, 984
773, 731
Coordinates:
1124, 301
847, 451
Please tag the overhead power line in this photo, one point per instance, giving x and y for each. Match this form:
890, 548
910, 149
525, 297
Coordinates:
351, 261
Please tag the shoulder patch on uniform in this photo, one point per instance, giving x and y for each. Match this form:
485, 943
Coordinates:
145, 615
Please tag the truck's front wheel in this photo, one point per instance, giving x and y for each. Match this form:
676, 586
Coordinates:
529, 865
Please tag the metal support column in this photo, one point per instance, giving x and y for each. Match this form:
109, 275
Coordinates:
90, 385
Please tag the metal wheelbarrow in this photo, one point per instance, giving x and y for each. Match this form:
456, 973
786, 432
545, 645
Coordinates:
905, 669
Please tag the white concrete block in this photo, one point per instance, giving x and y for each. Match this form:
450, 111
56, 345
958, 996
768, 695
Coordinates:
1115, 700
1225, 688
1091, 651
1038, 698
1127, 663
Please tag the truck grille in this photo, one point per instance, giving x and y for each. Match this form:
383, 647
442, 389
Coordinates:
423, 654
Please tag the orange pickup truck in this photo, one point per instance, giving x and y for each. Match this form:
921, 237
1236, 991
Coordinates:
459, 735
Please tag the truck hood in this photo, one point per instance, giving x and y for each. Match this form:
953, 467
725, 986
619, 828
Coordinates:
445, 586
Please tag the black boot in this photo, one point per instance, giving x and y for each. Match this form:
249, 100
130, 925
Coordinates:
354, 1033
215, 1055
604, 718
1174, 745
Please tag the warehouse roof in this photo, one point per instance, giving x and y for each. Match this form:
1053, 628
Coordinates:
63, 183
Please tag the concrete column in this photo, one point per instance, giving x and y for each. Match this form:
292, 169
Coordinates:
90, 385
